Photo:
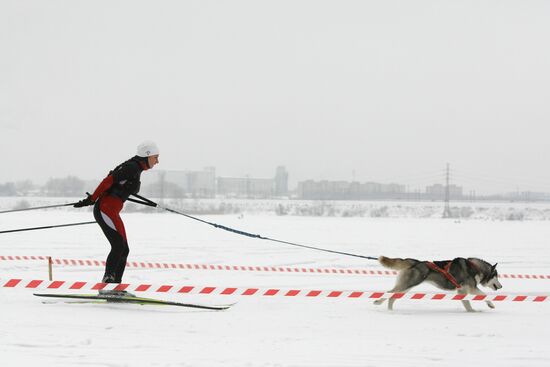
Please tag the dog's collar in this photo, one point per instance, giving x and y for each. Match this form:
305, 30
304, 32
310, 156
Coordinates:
477, 270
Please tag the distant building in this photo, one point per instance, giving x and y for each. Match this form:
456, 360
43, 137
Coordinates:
245, 187
202, 183
281, 181
174, 183
344, 190
437, 192
371, 187
527, 196
254, 188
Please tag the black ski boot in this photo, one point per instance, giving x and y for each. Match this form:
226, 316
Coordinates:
109, 278
115, 293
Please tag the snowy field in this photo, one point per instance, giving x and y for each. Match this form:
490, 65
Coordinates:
262, 331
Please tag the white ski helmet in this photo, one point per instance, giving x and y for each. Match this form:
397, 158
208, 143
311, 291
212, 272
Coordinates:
147, 149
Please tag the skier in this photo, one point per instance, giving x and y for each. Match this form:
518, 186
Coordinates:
109, 198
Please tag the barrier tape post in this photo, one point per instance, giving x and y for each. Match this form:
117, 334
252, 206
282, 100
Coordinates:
50, 268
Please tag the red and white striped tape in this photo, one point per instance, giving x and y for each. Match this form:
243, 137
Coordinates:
23, 257
248, 268
265, 292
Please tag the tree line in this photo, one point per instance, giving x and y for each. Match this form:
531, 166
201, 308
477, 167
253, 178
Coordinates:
67, 186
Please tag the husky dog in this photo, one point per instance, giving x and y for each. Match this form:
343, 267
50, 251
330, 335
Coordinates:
460, 274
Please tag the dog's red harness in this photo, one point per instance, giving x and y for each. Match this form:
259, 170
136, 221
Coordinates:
445, 271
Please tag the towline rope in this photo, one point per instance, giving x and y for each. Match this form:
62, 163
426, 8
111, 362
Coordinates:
145, 201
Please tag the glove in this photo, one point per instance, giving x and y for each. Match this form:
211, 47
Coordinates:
84, 202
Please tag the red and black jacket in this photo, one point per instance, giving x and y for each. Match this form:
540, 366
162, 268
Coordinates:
123, 180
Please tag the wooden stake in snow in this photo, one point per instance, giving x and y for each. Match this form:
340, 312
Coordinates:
50, 270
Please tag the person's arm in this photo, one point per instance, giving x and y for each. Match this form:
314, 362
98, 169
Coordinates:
102, 187
91, 199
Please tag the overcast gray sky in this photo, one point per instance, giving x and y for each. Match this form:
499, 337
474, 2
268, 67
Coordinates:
390, 90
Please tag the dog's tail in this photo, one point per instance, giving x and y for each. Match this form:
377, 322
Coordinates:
396, 263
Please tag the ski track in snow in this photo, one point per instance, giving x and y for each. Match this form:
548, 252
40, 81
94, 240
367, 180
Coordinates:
273, 331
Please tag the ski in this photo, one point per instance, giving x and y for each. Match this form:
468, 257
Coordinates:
132, 299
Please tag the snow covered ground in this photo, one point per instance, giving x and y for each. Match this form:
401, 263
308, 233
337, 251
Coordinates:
261, 331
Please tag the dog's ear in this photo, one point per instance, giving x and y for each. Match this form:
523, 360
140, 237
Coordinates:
495, 266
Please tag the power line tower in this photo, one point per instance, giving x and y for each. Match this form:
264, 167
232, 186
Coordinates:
447, 210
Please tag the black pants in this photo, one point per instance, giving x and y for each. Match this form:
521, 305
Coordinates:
106, 213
